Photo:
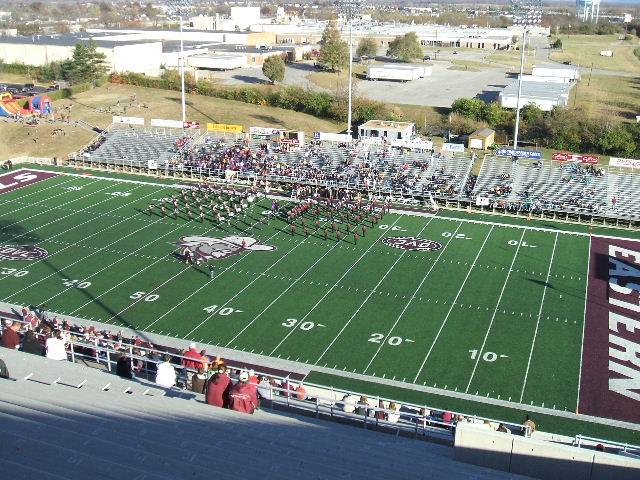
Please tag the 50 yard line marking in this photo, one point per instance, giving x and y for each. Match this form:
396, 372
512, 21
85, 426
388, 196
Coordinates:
291, 285
336, 284
495, 312
535, 333
433, 265
453, 304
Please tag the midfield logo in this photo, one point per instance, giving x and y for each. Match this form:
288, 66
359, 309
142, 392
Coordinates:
22, 252
209, 248
412, 243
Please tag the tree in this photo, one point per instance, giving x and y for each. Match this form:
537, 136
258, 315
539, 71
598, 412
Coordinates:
493, 113
273, 68
557, 44
472, 108
367, 47
406, 48
86, 63
334, 53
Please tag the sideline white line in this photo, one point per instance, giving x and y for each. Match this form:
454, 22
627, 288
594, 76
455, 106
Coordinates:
123, 180
584, 323
495, 312
336, 284
535, 333
413, 296
76, 243
453, 304
289, 288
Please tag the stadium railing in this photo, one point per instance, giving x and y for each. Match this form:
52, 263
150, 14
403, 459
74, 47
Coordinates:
583, 441
320, 401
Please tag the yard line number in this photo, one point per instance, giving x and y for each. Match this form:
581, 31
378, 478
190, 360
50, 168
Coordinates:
487, 356
513, 243
393, 341
68, 282
118, 194
306, 326
151, 297
14, 272
456, 235
213, 309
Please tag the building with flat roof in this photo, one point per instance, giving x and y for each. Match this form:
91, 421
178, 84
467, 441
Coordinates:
543, 94
389, 130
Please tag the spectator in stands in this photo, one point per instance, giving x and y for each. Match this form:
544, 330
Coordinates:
193, 360
349, 403
55, 346
394, 413
380, 413
30, 319
362, 406
31, 344
503, 429
166, 374
264, 389
123, 367
528, 423
301, 393
199, 381
243, 396
10, 335
218, 388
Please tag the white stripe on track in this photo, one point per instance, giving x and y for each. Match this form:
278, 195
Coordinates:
535, 333
453, 304
495, 312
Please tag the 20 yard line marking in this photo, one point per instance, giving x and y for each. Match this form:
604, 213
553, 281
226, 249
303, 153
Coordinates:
495, 312
336, 284
453, 304
435, 262
535, 333
291, 286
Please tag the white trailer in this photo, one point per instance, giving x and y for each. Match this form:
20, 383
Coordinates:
217, 62
403, 73
568, 72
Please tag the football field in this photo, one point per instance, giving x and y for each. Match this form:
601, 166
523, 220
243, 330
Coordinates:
463, 305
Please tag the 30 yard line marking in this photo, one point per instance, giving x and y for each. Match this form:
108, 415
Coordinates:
495, 312
76, 243
453, 304
535, 333
411, 298
338, 281
291, 286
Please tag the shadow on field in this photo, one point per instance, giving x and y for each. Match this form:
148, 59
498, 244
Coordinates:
11, 230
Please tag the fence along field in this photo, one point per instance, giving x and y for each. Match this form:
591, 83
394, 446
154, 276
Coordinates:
485, 309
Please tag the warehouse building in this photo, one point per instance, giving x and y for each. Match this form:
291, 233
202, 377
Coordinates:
543, 94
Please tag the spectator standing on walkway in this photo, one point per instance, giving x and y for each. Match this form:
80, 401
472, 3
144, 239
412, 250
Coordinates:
123, 367
55, 346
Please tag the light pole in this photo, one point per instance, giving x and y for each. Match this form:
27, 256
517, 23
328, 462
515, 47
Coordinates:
349, 9
179, 8
528, 13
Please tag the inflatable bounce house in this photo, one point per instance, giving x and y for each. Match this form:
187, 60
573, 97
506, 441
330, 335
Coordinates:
39, 105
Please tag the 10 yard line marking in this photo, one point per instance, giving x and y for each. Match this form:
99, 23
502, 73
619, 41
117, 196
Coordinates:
433, 265
535, 333
453, 304
240, 291
495, 312
289, 288
75, 243
336, 284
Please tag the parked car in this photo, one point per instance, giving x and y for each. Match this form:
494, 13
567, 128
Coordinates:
27, 87
3, 87
426, 57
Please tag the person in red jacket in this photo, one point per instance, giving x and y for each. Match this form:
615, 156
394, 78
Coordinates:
217, 388
243, 396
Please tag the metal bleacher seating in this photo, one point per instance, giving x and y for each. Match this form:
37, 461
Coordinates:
64, 420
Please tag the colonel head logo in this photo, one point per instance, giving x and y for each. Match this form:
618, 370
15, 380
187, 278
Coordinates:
22, 252
209, 248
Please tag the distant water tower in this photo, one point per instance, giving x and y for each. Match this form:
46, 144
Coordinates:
588, 10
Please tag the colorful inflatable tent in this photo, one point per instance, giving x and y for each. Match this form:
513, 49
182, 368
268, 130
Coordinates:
41, 104
10, 108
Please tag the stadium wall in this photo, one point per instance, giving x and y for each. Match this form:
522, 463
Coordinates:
537, 458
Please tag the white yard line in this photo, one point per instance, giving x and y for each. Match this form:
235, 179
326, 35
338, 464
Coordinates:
413, 296
76, 243
291, 285
535, 333
495, 312
584, 323
525, 227
364, 302
124, 180
300, 321
453, 304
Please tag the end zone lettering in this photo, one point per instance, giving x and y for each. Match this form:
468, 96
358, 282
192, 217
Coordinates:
22, 178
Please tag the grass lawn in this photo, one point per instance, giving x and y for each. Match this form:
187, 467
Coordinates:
511, 58
585, 50
605, 95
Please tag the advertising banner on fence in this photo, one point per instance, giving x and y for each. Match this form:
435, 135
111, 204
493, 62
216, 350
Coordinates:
517, 152
152, 164
191, 125
453, 147
264, 131
223, 127
332, 137
159, 122
575, 157
624, 162
128, 120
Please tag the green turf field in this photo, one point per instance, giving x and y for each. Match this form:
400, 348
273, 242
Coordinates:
494, 312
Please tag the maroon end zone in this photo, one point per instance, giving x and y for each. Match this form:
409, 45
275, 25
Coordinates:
610, 375
22, 178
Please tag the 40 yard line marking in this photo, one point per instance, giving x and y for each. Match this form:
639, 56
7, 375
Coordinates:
338, 281
495, 312
535, 333
433, 265
289, 288
453, 304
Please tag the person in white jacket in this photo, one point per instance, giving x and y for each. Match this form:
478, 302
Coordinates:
166, 374
55, 346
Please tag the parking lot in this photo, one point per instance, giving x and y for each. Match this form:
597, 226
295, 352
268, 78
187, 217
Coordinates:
18, 90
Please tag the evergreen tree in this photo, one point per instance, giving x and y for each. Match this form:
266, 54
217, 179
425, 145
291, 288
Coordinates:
334, 53
85, 65
273, 68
